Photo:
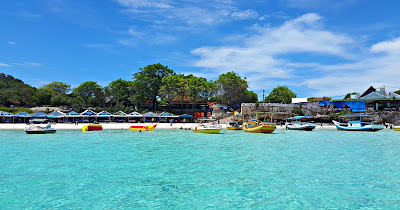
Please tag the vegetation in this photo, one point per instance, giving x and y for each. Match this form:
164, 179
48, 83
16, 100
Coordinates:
281, 94
348, 95
397, 91
151, 85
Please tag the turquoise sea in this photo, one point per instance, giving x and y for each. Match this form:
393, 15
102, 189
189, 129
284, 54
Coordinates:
177, 169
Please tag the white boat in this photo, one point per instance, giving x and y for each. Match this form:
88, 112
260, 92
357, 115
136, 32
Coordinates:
39, 126
206, 126
233, 125
300, 123
357, 122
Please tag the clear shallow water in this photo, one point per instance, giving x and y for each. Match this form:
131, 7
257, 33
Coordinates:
178, 169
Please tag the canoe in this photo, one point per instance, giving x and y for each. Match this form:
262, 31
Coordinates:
234, 128
208, 130
92, 127
263, 127
141, 128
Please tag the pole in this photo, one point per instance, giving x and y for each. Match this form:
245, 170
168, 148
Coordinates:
263, 97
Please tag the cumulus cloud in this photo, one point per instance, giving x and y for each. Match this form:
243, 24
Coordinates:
266, 59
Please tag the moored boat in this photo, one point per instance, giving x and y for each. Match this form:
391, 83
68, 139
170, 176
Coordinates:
141, 128
207, 126
357, 122
39, 126
233, 125
92, 127
254, 125
397, 127
300, 123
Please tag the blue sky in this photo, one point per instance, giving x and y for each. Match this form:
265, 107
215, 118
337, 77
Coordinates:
316, 47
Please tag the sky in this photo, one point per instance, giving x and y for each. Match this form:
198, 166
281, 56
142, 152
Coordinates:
315, 47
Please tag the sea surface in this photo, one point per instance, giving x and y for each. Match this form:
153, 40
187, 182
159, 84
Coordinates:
177, 169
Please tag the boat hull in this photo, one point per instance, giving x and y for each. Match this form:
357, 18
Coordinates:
262, 128
92, 127
371, 128
210, 130
301, 127
396, 128
234, 128
143, 128
40, 131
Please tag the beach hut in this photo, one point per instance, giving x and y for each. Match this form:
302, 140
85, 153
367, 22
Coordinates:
150, 117
39, 115
6, 117
135, 117
56, 116
120, 116
104, 116
22, 117
166, 117
185, 118
73, 117
89, 116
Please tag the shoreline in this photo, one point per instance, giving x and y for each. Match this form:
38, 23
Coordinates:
119, 126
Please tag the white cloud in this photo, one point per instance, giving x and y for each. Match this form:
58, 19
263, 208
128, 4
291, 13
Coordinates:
267, 60
27, 64
246, 14
11, 42
4, 65
165, 4
319, 4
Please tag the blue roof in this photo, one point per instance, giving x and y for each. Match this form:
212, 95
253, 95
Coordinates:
5, 114
73, 113
55, 113
104, 113
356, 115
150, 114
23, 114
186, 116
39, 114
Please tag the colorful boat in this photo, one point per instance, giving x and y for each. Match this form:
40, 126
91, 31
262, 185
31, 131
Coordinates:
233, 125
300, 123
207, 126
39, 126
141, 128
357, 122
397, 127
92, 127
253, 124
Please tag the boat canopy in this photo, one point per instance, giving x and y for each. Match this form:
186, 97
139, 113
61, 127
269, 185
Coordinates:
88, 112
104, 114
299, 117
38, 121
56, 114
120, 113
73, 113
39, 114
23, 114
5, 114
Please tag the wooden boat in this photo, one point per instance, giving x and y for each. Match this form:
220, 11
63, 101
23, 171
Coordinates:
141, 128
39, 126
233, 125
357, 122
253, 124
92, 127
300, 123
207, 126
397, 127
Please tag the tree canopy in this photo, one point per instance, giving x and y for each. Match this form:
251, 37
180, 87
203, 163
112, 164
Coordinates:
149, 80
120, 91
281, 94
14, 91
231, 88
90, 93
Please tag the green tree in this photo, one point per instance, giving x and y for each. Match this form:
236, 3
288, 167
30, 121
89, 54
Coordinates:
281, 94
54, 93
148, 81
231, 88
14, 91
120, 91
398, 92
251, 97
348, 95
90, 93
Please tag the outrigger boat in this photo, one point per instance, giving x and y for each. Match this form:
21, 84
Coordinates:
92, 127
39, 126
207, 126
253, 124
300, 123
357, 122
397, 127
233, 125
141, 128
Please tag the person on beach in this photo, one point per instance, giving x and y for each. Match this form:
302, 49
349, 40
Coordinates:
170, 122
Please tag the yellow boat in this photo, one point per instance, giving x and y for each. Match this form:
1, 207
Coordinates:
92, 127
255, 126
396, 128
141, 128
233, 125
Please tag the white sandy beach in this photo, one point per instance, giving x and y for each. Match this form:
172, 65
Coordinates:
117, 126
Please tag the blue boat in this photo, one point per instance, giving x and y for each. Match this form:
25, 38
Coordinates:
357, 122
